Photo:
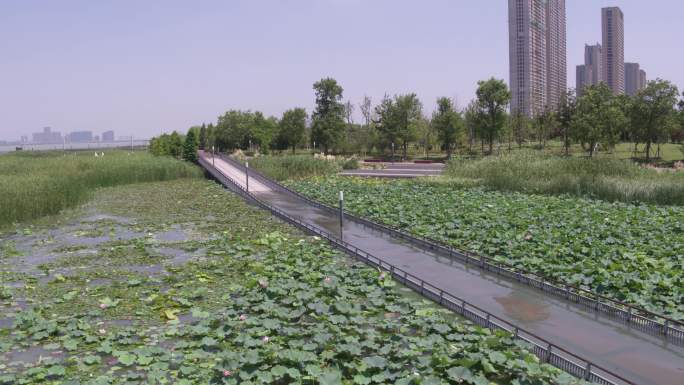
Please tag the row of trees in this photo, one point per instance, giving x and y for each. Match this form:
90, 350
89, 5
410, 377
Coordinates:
596, 120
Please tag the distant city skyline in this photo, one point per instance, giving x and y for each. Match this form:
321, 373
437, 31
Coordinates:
141, 68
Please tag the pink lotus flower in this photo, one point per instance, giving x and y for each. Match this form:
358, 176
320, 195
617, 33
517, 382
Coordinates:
263, 283
243, 317
103, 306
227, 373
528, 237
327, 280
382, 275
265, 339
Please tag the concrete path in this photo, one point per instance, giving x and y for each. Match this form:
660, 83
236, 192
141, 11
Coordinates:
396, 170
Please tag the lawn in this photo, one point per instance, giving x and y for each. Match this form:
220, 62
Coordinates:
180, 282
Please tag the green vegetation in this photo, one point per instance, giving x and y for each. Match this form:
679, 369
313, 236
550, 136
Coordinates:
299, 166
607, 179
206, 289
628, 252
39, 184
648, 127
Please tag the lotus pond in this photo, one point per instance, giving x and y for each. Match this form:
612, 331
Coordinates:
181, 282
633, 253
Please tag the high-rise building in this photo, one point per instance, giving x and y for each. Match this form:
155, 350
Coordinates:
581, 78
556, 53
537, 53
592, 69
47, 136
613, 26
635, 78
81, 137
108, 136
642, 79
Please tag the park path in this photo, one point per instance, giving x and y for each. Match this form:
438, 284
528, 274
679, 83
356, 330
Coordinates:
638, 357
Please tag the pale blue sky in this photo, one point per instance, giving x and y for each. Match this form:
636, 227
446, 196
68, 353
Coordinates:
142, 67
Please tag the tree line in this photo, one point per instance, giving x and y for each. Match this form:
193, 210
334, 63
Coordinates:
597, 120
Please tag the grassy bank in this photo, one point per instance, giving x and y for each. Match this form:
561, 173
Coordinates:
36, 184
628, 252
605, 178
298, 166
180, 282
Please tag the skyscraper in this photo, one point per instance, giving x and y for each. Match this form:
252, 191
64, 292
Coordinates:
613, 26
537, 53
635, 78
556, 53
592, 70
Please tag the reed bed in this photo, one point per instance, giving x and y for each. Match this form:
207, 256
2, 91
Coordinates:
604, 178
298, 166
37, 184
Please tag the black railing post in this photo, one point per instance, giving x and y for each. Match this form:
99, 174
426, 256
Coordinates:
342, 215
247, 175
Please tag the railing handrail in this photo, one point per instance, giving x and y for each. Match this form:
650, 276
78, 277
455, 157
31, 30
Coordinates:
492, 320
640, 311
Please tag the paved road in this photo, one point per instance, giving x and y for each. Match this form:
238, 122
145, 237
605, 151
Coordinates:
396, 170
639, 357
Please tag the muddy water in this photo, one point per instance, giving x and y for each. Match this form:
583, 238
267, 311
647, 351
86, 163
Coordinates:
636, 356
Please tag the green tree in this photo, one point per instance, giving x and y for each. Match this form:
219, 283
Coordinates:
328, 117
472, 124
519, 126
190, 147
493, 97
398, 120
203, 137
599, 118
544, 122
566, 112
292, 128
449, 125
654, 113
409, 115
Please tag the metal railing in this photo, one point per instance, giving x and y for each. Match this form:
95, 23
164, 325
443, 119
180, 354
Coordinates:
634, 316
546, 351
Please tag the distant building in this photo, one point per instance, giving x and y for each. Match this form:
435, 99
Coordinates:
581, 78
537, 54
108, 136
642, 78
81, 137
592, 70
47, 137
635, 78
613, 26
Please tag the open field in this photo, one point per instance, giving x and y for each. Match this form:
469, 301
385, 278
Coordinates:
181, 282
628, 252
607, 179
36, 184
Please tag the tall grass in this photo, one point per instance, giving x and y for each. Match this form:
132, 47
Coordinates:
605, 178
295, 166
36, 184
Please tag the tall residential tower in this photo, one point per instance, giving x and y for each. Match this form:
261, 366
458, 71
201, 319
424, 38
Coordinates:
537, 53
613, 22
591, 73
635, 78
